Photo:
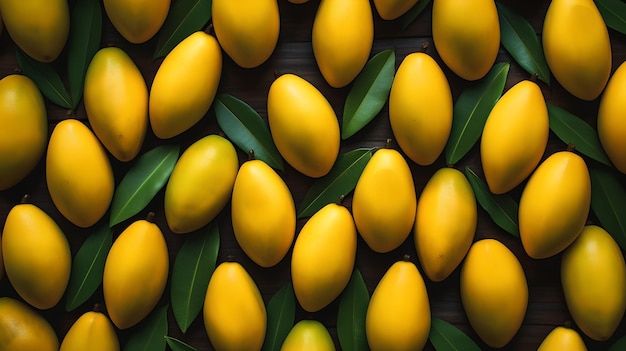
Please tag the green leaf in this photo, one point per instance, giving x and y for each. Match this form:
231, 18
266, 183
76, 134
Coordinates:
619, 345
608, 201
184, 18
151, 333
281, 313
573, 130
519, 38
46, 78
471, 111
413, 13
194, 265
340, 180
614, 14
142, 182
501, 207
351, 314
88, 267
369, 93
446, 337
246, 129
177, 345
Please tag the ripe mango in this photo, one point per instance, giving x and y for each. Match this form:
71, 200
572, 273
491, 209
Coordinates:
200, 184
263, 213
554, 204
392, 9
116, 102
323, 257
23, 329
514, 137
611, 117
343, 35
308, 335
398, 315
494, 292
562, 338
445, 223
137, 20
234, 312
247, 30
91, 331
24, 132
466, 35
583, 70
135, 273
303, 124
593, 276
78, 173
420, 108
184, 85
384, 201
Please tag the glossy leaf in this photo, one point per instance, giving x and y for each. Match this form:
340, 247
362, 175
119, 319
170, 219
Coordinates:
151, 333
446, 337
619, 345
608, 201
471, 111
369, 93
614, 14
281, 314
243, 125
177, 345
351, 314
340, 180
47, 79
184, 18
194, 265
88, 267
142, 182
413, 13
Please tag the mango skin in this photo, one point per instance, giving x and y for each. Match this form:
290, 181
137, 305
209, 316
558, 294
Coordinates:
24, 132
91, 331
137, 20
593, 277
398, 315
554, 204
37, 256
466, 36
445, 223
420, 108
200, 184
494, 292
185, 85
392, 9
116, 102
1, 261
303, 125
23, 329
562, 338
263, 213
582, 70
514, 137
78, 173
308, 335
611, 117
384, 201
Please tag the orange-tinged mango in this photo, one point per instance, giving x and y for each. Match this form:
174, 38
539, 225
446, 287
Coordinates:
612, 118
23, 329
308, 335
562, 338
392, 9
91, 331
137, 20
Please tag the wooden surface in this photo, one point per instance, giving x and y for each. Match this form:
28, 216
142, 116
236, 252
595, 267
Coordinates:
293, 54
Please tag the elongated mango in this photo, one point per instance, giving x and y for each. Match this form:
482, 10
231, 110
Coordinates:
392, 9
137, 20
23, 329
308, 335
91, 331
562, 338
612, 117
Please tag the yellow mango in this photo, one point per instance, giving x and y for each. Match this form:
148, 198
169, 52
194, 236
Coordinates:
398, 315
308, 335
116, 102
37, 256
39, 27
24, 132
466, 35
184, 85
514, 137
23, 329
554, 204
135, 273
420, 108
562, 338
234, 312
263, 213
593, 277
137, 20
445, 223
342, 39
303, 124
323, 257
583, 70
91, 331
247, 30
78, 173
611, 118
392, 9
494, 292
384, 201
200, 184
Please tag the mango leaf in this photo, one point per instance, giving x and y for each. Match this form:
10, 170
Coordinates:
151, 333
351, 314
47, 79
177, 345
281, 313
340, 180
194, 265
619, 345
573, 130
413, 13
246, 129
519, 38
184, 18
608, 201
88, 267
614, 14
501, 207
368, 93
471, 111
446, 337
142, 182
